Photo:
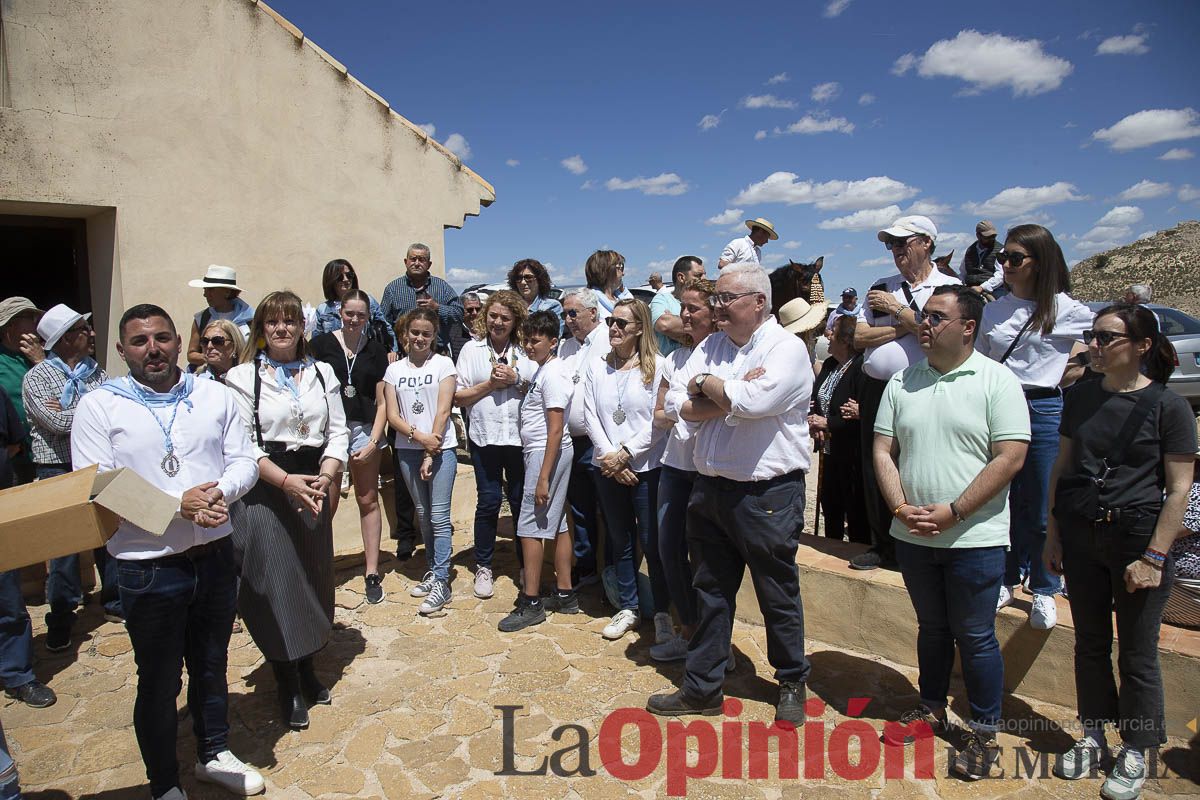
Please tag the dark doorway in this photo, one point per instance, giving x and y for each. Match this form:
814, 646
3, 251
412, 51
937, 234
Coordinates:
45, 259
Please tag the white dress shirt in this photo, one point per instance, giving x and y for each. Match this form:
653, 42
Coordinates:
887, 359
578, 359
210, 442
1039, 359
277, 409
681, 438
493, 418
739, 250
765, 434
610, 388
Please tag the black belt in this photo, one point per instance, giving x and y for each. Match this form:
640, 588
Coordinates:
192, 554
1041, 392
751, 487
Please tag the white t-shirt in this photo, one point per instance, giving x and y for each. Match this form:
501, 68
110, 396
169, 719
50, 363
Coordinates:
1039, 359
681, 441
578, 360
493, 418
417, 395
550, 387
887, 359
609, 389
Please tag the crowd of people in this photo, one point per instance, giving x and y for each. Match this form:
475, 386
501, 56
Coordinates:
964, 427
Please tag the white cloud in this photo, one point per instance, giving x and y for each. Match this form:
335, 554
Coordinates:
760, 135
429, 128
1188, 193
782, 77
929, 208
668, 183
1150, 234
835, 7
1122, 215
1068, 125
1145, 190
953, 241
457, 143
818, 122
512, 162
866, 220
709, 121
989, 61
785, 187
588, 184
465, 277
1132, 45
791, 244
1114, 229
1019, 200
1177, 154
766, 101
824, 92
574, 165
882, 261
1151, 127
866, 99
727, 217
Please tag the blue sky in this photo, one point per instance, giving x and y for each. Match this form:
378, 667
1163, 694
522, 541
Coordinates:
654, 128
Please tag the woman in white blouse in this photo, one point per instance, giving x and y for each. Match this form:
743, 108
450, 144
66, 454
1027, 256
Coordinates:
292, 411
1034, 331
627, 448
493, 372
419, 392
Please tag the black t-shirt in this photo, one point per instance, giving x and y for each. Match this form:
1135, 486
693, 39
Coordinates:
369, 367
1093, 417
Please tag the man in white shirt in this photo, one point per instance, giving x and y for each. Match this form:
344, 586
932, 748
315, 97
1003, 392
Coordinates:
748, 248
887, 331
664, 308
748, 387
178, 590
586, 345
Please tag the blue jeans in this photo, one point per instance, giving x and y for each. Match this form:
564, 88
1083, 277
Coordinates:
432, 499
10, 785
1028, 500
494, 466
581, 496
631, 514
16, 633
954, 593
674, 491
179, 610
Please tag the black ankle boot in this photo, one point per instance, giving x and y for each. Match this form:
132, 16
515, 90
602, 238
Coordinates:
292, 707
310, 686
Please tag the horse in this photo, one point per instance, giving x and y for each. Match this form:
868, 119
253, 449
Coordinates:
943, 264
794, 280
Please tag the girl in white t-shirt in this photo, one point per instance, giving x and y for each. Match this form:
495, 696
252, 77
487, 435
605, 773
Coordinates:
548, 454
419, 391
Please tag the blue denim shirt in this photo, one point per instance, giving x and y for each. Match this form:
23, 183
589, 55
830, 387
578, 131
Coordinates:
329, 320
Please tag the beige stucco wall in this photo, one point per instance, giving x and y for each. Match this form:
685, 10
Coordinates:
211, 131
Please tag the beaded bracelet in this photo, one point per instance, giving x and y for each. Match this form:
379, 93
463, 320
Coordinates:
1160, 555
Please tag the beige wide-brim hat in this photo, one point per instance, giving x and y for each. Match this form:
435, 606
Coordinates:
759, 222
217, 277
13, 307
800, 316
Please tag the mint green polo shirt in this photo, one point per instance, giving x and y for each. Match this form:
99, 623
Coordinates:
945, 426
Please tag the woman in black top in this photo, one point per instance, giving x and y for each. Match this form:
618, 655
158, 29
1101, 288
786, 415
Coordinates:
835, 425
359, 363
1111, 540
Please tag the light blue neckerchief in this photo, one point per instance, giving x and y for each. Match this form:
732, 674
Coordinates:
179, 395
282, 375
76, 386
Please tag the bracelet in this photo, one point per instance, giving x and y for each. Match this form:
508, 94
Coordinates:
1156, 564
284, 481
955, 512
896, 510
1156, 554
412, 430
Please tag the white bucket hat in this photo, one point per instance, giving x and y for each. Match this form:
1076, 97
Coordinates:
217, 277
58, 321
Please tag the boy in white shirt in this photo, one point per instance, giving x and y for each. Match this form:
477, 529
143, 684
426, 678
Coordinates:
548, 453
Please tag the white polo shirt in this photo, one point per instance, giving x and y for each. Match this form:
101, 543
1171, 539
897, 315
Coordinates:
887, 359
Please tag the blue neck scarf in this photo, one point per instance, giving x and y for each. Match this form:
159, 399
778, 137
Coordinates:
76, 385
282, 375
132, 390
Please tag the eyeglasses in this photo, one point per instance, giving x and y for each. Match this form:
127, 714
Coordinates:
620, 323
725, 298
80, 328
898, 244
471, 310
620, 266
1103, 338
935, 318
215, 341
570, 314
526, 277
1017, 259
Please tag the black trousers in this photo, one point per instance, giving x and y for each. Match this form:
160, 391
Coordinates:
879, 516
405, 533
842, 496
732, 526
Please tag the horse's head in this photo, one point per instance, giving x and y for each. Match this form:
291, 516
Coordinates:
792, 280
943, 264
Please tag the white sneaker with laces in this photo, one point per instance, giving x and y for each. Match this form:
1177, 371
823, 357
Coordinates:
673, 650
664, 628
1126, 778
483, 583
1006, 597
622, 622
231, 774
1044, 614
424, 587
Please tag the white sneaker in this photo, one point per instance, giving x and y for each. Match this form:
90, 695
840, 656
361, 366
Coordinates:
231, 774
673, 650
1044, 614
174, 794
483, 583
424, 587
1126, 778
345, 483
622, 622
1006, 597
437, 599
664, 628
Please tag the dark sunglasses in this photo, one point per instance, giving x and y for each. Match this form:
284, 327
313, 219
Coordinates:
215, 341
897, 244
1103, 338
620, 323
572, 314
1017, 259
935, 318
526, 277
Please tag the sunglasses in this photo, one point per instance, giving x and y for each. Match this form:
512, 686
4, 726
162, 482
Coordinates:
1017, 259
935, 318
526, 277
215, 341
725, 298
1103, 338
898, 244
620, 323
572, 314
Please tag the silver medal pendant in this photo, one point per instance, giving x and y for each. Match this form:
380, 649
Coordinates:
619, 416
302, 428
575, 379
418, 407
170, 464
349, 391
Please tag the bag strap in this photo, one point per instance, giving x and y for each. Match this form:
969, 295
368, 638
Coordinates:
908, 295
1013, 344
1134, 421
257, 396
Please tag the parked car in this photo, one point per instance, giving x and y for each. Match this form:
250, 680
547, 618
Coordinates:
1184, 332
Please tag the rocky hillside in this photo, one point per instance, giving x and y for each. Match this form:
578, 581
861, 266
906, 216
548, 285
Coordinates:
1169, 262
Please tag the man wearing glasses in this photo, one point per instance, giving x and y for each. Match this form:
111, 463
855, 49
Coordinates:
748, 388
887, 331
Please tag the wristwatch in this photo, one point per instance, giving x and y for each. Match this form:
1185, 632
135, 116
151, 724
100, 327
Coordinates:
700, 379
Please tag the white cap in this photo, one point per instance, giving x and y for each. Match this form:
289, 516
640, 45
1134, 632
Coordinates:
908, 226
56, 322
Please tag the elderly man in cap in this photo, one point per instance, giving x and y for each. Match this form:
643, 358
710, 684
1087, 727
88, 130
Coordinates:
979, 268
849, 307
748, 248
887, 332
51, 392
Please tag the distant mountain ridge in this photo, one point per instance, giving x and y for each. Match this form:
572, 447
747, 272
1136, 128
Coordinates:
1168, 261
